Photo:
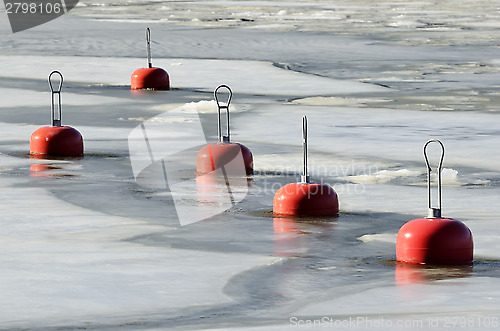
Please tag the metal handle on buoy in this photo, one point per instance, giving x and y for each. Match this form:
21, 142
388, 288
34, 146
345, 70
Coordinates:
56, 120
305, 177
148, 46
223, 139
434, 212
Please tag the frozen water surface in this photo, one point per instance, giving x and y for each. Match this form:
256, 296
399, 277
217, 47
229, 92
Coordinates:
86, 246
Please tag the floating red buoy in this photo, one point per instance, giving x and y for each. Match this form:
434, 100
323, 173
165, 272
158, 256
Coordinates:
150, 77
306, 198
215, 156
434, 240
56, 140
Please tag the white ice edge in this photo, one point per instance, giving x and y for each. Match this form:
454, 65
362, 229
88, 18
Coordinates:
414, 299
27, 98
374, 133
64, 258
253, 77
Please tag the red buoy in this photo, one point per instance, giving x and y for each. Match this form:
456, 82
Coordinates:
150, 78
215, 156
434, 240
306, 198
56, 140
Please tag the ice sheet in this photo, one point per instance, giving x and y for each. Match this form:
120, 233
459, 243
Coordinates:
85, 246
413, 299
242, 76
20, 98
76, 263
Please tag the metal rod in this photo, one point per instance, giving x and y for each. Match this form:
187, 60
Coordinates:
223, 139
434, 212
55, 120
148, 45
305, 177
63, 3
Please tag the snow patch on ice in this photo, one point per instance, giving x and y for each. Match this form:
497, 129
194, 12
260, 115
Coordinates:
382, 176
413, 299
253, 77
199, 107
67, 258
338, 101
382, 237
26, 98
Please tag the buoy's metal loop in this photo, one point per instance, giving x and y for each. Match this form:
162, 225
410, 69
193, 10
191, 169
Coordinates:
434, 212
305, 177
55, 116
148, 47
223, 139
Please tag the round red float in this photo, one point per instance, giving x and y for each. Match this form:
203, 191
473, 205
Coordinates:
305, 198
221, 154
434, 240
149, 78
214, 156
56, 140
